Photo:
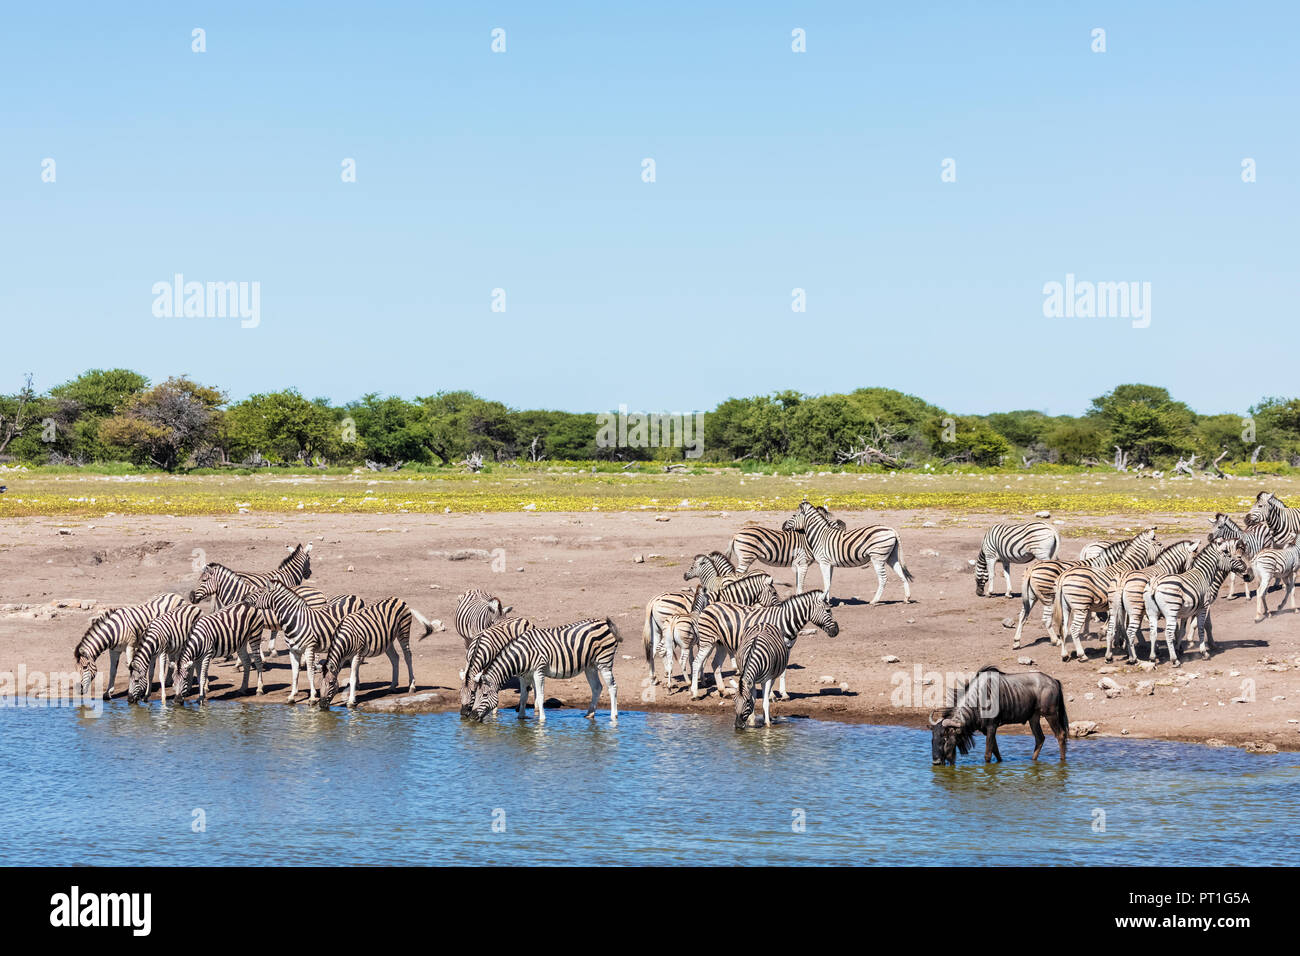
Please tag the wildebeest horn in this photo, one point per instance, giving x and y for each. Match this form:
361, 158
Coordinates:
933, 719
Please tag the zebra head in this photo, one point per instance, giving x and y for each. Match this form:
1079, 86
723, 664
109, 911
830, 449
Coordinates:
821, 614
744, 704
261, 598
1235, 560
702, 565
138, 688
181, 680
1265, 502
486, 691
207, 585
768, 596
98, 637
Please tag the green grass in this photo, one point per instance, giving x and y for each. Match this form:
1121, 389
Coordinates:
552, 486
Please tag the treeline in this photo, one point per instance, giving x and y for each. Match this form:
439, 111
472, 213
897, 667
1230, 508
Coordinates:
116, 415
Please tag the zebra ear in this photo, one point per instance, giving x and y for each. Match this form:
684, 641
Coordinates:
507, 609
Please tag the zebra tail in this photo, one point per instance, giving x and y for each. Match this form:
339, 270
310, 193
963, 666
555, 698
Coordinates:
646, 640
428, 629
1057, 615
898, 556
618, 638
730, 553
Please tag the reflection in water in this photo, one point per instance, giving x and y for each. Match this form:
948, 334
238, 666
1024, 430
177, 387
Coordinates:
294, 785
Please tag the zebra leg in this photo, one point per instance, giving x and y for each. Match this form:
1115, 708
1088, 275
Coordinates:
767, 702
391, 653
309, 661
539, 696
1261, 602
113, 655
410, 668
293, 679
594, 681
203, 678
1080, 622
800, 569
162, 676
1171, 637
521, 710
607, 674
352, 680
826, 579
719, 656
247, 661
1027, 602
1006, 573
881, 577
702, 653
781, 691
270, 645
1205, 625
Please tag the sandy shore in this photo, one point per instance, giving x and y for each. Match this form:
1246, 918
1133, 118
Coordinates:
888, 664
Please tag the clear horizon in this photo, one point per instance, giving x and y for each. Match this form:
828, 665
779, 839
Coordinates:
774, 171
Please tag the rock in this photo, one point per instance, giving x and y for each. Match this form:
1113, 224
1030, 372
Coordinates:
1146, 687
1042, 514
1026, 661
639, 559
1113, 692
1147, 665
350, 568
1082, 728
518, 569
1253, 748
889, 659
1109, 683
1089, 696
927, 524
663, 518
928, 553
531, 506
1008, 623
65, 531
1107, 669
1215, 742
844, 687
826, 679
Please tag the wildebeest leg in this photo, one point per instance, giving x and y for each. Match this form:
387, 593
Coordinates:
1059, 730
1036, 725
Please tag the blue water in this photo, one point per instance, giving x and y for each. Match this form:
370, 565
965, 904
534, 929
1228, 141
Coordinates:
280, 785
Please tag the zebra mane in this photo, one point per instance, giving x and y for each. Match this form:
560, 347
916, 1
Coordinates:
292, 556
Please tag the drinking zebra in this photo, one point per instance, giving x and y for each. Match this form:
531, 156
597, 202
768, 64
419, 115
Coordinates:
483, 650
1041, 579
834, 547
162, 641
307, 626
1084, 591
767, 655
1180, 597
1013, 543
1128, 607
1275, 564
116, 631
1254, 538
584, 647
675, 632
236, 629
720, 625
775, 547
1269, 509
382, 626
476, 611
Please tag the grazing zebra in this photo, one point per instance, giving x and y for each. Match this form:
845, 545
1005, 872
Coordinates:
1179, 597
775, 547
720, 625
1012, 543
584, 647
116, 631
226, 586
1041, 578
382, 626
991, 700
483, 650
1275, 564
1128, 607
162, 640
236, 629
1254, 537
834, 547
1284, 521
767, 655
1084, 591
307, 627
476, 611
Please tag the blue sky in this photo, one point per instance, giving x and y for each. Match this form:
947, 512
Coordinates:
774, 170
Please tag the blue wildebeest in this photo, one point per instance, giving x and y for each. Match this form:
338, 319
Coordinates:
992, 699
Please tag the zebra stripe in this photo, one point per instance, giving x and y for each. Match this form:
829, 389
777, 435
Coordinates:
476, 611
1254, 537
584, 647
1179, 597
307, 624
767, 655
720, 625
380, 627
484, 649
1275, 564
236, 629
1127, 606
1269, 509
162, 641
1084, 591
115, 631
1012, 543
834, 547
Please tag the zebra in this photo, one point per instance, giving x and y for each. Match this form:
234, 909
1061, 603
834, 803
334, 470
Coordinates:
657, 612
583, 647
115, 631
1254, 537
1269, 509
1084, 591
236, 629
226, 586
483, 651
1127, 607
307, 626
1275, 564
1008, 544
834, 547
1041, 577
162, 640
754, 588
476, 611
713, 570
720, 625
767, 655
775, 547
1179, 597
381, 626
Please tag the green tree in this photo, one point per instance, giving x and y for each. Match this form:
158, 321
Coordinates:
163, 425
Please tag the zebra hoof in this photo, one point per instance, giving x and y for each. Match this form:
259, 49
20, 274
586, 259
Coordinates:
783, 696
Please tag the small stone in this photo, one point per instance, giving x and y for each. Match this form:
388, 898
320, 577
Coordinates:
844, 687
1082, 728
889, 659
1026, 661
928, 553
927, 524
1089, 696
350, 568
1042, 514
1008, 623
1146, 687
639, 559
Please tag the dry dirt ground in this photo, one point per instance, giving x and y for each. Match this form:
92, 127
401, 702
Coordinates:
556, 567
